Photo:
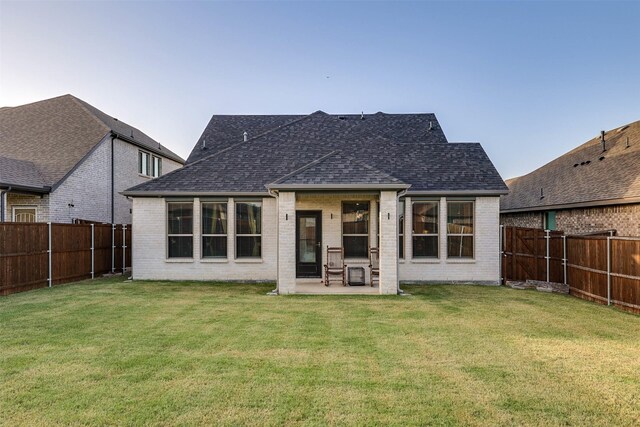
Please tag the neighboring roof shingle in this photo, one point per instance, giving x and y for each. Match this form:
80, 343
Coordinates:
20, 173
250, 166
580, 177
55, 134
224, 131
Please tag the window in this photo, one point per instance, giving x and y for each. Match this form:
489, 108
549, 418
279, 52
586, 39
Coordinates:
214, 230
550, 220
24, 214
156, 169
149, 165
248, 230
401, 229
355, 229
425, 229
143, 163
180, 229
460, 229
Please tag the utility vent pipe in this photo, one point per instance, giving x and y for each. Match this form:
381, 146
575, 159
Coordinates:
430, 125
204, 143
246, 136
602, 141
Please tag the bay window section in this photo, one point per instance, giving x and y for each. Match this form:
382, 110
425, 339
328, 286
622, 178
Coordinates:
355, 229
460, 229
425, 229
180, 229
248, 229
214, 229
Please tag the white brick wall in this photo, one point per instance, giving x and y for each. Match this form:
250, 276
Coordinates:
388, 243
150, 247
483, 268
278, 237
41, 203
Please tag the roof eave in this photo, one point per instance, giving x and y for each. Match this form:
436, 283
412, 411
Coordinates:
170, 156
325, 187
458, 193
169, 193
4, 186
560, 206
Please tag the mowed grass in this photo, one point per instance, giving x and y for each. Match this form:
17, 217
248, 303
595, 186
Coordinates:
111, 352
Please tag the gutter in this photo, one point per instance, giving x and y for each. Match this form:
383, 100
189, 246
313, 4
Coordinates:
170, 156
2, 203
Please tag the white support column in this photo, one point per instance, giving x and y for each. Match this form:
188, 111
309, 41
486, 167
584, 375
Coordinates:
388, 243
408, 229
373, 223
231, 229
286, 242
197, 245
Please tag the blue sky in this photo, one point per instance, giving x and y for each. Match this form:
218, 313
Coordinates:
529, 80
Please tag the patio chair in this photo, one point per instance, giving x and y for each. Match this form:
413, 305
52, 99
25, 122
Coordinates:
335, 266
374, 265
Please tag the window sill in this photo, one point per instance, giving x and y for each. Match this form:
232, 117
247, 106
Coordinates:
145, 176
248, 260
214, 260
426, 261
461, 261
179, 260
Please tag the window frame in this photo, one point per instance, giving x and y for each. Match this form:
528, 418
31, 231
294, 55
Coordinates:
235, 227
155, 173
141, 154
34, 207
203, 234
368, 202
462, 235
436, 234
402, 220
168, 236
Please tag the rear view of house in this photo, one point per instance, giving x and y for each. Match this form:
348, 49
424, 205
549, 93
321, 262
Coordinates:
296, 199
592, 188
62, 159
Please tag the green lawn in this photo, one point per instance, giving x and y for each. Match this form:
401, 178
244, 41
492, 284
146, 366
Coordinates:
111, 352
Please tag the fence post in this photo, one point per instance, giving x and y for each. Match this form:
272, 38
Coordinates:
547, 237
608, 270
113, 248
50, 255
501, 253
564, 257
124, 247
93, 257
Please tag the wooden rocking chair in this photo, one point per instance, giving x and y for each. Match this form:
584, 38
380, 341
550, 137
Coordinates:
335, 266
374, 266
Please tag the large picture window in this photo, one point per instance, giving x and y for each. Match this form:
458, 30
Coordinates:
355, 229
248, 229
180, 229
214, 229
425, 230
460, 229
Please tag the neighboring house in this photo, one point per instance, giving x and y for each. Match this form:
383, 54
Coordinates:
594, 187
62, 159
262, 197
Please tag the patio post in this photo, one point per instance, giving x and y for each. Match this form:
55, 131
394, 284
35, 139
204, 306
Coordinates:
388, 242
286, 242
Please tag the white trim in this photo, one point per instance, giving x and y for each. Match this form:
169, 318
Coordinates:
461, 235
437, 236
236, 234
13, 211
167, 235
203, 235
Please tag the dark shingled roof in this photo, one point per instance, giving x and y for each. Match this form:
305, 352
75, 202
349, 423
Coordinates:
20, 173
248, 167
55, 134
224, 131
335, 168
584, 176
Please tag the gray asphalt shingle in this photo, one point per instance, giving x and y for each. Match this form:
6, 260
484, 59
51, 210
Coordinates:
250, 166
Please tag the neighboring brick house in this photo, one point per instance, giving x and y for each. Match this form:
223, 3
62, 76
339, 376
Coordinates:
594, 187
262, 197
62, 159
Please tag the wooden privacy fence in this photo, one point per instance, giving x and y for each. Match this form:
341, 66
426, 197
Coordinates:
37, 255
600, 268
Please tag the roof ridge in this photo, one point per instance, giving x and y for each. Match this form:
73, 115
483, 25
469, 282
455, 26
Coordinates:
249, 140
